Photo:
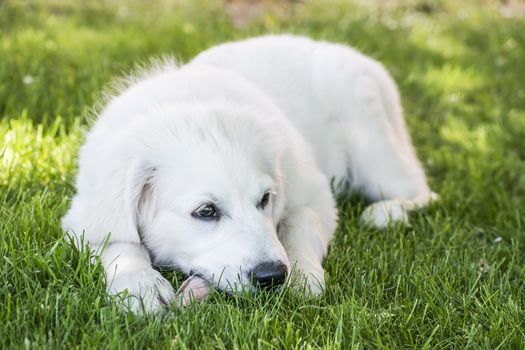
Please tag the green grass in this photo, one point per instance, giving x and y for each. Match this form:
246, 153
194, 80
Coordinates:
454, 278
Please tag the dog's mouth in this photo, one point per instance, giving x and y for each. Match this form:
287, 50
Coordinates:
221, 284
196, 288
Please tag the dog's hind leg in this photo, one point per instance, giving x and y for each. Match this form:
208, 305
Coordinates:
385, 163
382, 162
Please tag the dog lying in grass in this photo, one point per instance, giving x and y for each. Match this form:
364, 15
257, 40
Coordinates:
221, 168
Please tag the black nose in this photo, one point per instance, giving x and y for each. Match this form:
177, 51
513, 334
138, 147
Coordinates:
269, 274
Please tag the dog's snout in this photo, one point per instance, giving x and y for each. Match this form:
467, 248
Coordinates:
269, 274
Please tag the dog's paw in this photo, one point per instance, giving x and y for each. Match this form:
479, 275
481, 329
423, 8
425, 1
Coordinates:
308, 283
142, 291
314, 285
383, 213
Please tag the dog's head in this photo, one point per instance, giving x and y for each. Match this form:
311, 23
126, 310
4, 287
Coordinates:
208, 190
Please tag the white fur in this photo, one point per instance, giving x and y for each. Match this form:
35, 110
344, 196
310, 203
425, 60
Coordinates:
282, 113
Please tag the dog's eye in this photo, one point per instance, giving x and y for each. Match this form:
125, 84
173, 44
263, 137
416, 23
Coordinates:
264, 200
206, 212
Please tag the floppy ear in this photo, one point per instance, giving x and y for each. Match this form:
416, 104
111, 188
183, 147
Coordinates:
117, 200
146, 204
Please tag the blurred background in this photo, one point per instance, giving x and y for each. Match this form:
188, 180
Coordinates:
70, 49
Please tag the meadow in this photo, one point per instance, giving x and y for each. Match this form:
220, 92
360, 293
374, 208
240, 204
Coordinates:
453, 278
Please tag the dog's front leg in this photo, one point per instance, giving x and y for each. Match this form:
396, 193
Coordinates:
128, 268
305, 237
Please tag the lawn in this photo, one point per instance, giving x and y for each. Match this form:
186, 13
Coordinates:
453, 278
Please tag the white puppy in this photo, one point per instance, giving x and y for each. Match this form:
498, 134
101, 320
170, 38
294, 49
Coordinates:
221, 168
